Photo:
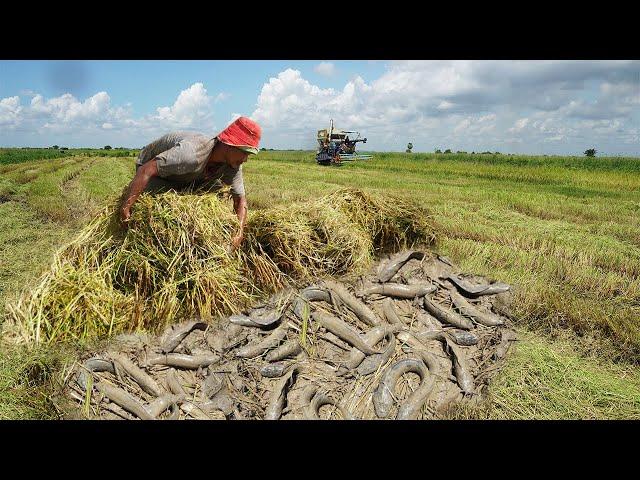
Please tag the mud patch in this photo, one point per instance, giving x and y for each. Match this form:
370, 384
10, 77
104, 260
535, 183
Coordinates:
329, 351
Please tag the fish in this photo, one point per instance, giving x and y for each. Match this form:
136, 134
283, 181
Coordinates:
173, 336
476, 290
484, 318
141, 377
312, 293
343, 331
278, 397
288, 349
399, 290
181, 360
395, 263
447, 316
383, 398
270, 341
362, 311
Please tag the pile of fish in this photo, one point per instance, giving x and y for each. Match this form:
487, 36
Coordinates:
406, 341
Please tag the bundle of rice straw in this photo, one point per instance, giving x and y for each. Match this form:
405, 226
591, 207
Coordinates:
174, 260
338, 233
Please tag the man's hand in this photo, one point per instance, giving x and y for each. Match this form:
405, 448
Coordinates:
240, 207
125, 215
136, 187
237, 241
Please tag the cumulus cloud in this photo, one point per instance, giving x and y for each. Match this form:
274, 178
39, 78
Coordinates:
66, 111
555, 138
10, 109
492, 101
289, 97
193, 106
327, 69
519, 125
66, 114
470, 105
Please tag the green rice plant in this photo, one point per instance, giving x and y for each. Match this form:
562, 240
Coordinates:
9, 156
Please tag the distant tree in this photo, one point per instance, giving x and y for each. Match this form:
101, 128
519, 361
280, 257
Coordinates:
107, 147
263, 149
473, 153
497, 153
409, 147
461, 151
438, 150
591, 152
64, 148
448, 150
55, 147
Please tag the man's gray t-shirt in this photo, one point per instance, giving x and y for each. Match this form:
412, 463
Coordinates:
182, 159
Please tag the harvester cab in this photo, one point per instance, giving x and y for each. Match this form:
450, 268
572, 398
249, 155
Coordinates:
336, 146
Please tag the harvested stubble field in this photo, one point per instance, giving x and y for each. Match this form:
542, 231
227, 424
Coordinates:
563, 230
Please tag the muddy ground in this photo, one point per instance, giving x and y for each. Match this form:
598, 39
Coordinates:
333, 350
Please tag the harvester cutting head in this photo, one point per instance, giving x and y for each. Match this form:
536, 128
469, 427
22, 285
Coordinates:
335, 146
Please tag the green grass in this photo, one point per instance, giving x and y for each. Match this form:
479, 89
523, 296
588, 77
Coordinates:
10, 156
564, 233
45, 203
563, 230
546, 380
97, 152
18, 155
27, 244
30, 382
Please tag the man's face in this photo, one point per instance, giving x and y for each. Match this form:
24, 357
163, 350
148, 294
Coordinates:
235, 157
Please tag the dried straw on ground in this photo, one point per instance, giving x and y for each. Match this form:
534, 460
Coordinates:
174, 260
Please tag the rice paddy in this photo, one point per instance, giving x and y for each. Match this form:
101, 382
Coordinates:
562, 230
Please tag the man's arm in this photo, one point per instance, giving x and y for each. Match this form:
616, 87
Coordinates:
137, 186
240, 207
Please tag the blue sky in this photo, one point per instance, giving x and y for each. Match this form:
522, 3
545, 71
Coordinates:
557, 107
130, 81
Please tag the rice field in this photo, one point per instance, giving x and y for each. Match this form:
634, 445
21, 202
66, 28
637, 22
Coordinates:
10, 156
563, 230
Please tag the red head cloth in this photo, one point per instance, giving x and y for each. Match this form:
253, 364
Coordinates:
243, 133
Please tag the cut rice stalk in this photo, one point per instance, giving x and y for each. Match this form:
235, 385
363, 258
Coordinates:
173, 260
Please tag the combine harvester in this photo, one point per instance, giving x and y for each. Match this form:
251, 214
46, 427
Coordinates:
336, 147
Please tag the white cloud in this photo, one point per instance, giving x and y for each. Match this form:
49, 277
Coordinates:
289, 97
10, 109
476, 125
462, 126
469, 105
67, 116
66, 110
519, 125
192, 107
327, 69
456, 101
